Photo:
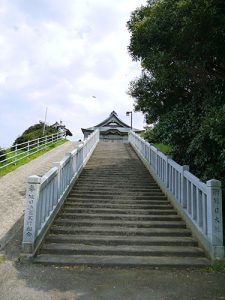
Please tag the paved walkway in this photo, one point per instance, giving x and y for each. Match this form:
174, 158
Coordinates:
28, 281
13, 187
31, 282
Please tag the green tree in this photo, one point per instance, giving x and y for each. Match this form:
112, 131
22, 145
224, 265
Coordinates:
181, 46
33, 132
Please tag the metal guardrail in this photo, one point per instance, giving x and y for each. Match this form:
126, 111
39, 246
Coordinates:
200, 204
45, 195
20, 151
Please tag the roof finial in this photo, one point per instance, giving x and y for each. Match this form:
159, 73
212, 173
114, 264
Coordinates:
113, 113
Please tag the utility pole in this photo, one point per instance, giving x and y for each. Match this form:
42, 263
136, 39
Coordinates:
45, 120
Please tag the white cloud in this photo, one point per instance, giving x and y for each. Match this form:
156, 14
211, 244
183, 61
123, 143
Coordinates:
59, 54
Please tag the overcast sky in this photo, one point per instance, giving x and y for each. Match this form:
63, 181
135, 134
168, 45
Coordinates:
59, 54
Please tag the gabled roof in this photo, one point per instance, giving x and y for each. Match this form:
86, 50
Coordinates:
113, 121
113, 118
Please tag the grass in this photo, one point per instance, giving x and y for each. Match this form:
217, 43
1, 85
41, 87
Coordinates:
166, 149
2, 259
217, 266
25, 160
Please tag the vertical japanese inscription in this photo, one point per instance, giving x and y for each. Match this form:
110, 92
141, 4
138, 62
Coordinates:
216, 210
29, 214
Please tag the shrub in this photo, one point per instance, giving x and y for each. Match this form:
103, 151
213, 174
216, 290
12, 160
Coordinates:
2, 154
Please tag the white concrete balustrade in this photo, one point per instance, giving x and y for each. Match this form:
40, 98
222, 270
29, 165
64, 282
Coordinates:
45, 195
198, 203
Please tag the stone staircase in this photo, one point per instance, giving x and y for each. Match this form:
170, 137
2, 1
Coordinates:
116, 215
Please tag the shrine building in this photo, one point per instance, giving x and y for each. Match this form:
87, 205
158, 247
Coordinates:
111, 129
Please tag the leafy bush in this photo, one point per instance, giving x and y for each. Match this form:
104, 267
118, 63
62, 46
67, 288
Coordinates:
33, 132
149, 135
2, 154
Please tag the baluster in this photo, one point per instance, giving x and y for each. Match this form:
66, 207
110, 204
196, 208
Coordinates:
183, 185
204, 214
200, 209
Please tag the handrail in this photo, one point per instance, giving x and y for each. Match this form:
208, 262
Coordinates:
199, 204
45, 195
28, 148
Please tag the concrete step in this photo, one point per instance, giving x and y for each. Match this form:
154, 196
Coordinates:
125, 185
113, 223
116, 178
110, 180
103, 174
131, 202
107, 230
86, 204
117, 170
123, 261
122, 240
120, 211
122, 197
79, 249
153, 192
85, 188
130, 217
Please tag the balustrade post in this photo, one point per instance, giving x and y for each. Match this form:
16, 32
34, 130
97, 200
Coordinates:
15, 154
167, 171
214, 218
28, 146
30, 218
157, 157
58, 166
70, 171
183, 188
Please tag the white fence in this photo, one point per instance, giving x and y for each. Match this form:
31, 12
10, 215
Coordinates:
45, 195
200, 204
23, 150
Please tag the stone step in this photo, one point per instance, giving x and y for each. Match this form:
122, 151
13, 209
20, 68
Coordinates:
122, 261
117, 202
120, 211
125, 185
122, 170
113, 223
91, 189
112, 173
116, 181
92, 196
117, 178
120, 217
107, 230
79, 249
87, 204
122, 240
153, 192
